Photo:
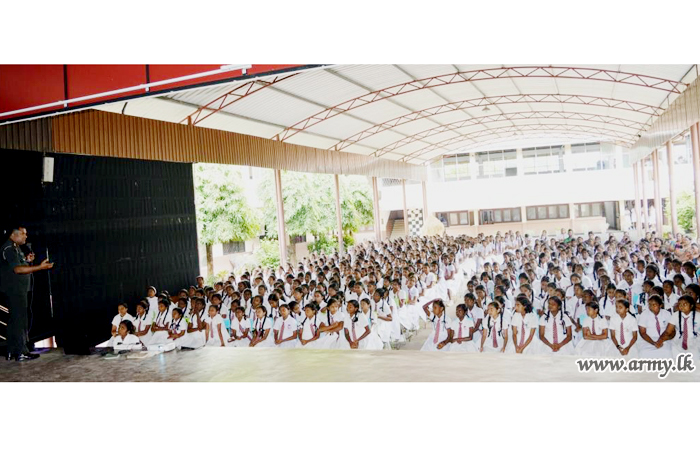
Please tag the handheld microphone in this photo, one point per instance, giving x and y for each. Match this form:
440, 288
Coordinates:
29, 246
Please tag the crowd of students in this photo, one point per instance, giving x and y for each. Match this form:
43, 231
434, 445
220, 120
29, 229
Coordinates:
560, 295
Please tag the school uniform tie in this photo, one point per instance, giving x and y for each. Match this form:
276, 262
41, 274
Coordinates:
493, 333
685, 334
281, 331
658, 325
622, 333
437, 332
629, 296
593, 323
354, 337
555, 332
459, 335
522, 334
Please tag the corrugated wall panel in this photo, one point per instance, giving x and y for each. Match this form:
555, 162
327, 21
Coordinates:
103, 133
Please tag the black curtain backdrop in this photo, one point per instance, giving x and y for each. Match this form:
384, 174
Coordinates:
112, 226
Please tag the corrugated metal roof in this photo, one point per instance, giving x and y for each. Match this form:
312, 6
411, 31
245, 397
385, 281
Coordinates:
338, 104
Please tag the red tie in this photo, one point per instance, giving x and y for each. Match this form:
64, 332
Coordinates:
685, 334
555, 332
622, 333
522, 335
493, 331
437, 331
459, 336
354, 337
593, 322
658, 326
629, 295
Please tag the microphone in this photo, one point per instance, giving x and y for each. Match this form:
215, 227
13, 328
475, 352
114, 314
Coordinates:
29, 246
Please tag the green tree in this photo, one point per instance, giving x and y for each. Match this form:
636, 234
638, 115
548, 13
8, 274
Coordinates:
309, 206
223, 213
685, 205
268, 254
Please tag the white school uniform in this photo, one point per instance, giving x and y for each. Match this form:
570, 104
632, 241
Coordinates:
524, 326
308, 330
177, 327
550, 323
440, 326
373, 338
623, 328
285, 328
687, 331
162, 319
356, 326
260, 326
607, 306
195, 339
152, 303
130, 342
396, 313
330, 340
461, 329
648, 320
140, 323
475, 314
240, 327
117, 320
213, 339
670, 301
383, 309
495, 331
589, 347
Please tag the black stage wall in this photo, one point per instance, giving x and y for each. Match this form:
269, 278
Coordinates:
112, 226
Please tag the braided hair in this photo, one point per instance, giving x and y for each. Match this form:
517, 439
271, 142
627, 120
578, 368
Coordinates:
556, 300
691, 302
496, 305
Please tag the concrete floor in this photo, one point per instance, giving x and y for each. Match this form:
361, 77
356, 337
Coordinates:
270, 364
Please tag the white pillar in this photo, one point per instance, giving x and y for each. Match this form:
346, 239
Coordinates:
377, 211
645, 204
281, 229
405, 211
671, 190
696, 169
658, 205
568, 158
338, 214
425, 203
519, 161
637, 201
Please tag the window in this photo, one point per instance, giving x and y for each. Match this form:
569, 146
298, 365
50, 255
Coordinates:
541, 160
596, 209
547, 212
234, 247
497, 164
456, 167
455, 218
489, 216
592, 156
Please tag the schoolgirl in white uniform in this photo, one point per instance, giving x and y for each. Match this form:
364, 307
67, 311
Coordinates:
607, 302
383, 310
624, 331
151, 296
670, 297
655, 331
477, 315
687, 328
371, 316
331, 330
524, 328
125, 338
441, 335
595, 341
462, 332
555, 330
215, 330
356, 330
262, 329
196, 328
494, 338
240, 329
285, 329
161, 324
119, 318
310, 327
178, 328
397, 298
142, 322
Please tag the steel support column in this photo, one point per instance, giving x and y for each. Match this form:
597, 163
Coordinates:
338, 214
696, 171
658, 204
405, 211
281, 229
377, 211
671, 190
637, 201
645, 203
